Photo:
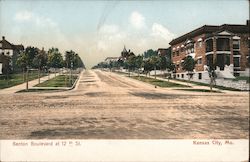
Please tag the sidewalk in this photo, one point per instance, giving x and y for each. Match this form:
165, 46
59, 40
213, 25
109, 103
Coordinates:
22, 86
194, 86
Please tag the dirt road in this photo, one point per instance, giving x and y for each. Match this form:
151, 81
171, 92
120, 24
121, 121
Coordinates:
110, 106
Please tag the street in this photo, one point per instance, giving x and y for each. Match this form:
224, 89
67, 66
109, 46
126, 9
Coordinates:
106, 105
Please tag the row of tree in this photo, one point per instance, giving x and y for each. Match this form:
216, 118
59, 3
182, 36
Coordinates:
150, 60
143, 63
34, 58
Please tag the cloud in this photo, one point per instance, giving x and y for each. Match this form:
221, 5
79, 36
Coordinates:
41, 28
159, 30
24, 16
108, 36
137, 20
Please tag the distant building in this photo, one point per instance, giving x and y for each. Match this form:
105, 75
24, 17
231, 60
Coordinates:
165, 52
111, 59
125, 54
227, 46
10, 50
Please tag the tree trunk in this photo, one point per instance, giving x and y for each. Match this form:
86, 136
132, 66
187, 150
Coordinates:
23, 75
38, 75
155, 72
211, 84
27, 79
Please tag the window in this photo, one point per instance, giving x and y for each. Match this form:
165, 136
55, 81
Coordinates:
227, 59
199, 61
173, 54
199, 44
209, 45
177, 53
236, 61
236, 44
177, 66
182, 75
200, 75
223, 44
236, 52
178, 75
236, 74
209, 60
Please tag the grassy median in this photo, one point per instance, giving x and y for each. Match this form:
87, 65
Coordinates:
59, 81
157, 82
16, 79
199, 90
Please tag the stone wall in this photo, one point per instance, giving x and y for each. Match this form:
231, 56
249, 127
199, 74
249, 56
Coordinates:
240, 84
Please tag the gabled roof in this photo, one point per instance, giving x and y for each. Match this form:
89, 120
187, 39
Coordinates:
210, 29
6, 44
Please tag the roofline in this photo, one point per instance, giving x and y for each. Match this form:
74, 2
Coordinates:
202, 30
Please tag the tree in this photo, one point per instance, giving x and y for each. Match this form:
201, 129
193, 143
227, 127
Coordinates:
155, 61
31, 53
149, 53
55, 59
131, 63
163, 63
40, 62
138, 63
170, 67
189, 65
147, 66
22, 62
212, 74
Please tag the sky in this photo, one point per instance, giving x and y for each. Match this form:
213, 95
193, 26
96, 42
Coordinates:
100, 29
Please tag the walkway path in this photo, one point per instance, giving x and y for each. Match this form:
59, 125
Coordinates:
22, 86
194, 86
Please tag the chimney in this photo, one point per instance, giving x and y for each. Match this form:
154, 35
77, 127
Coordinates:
248, 23
3, 37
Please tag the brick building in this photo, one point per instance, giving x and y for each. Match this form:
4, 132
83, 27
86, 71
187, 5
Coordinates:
165, 52
226, 46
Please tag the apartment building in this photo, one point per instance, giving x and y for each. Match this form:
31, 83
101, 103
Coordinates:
226, 46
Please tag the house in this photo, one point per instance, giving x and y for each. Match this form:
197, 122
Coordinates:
226, 46
10, 50
164, 52
111, 59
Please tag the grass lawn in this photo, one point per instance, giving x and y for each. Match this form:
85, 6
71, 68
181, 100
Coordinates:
199, 90
58, 81
157, 82
15, 79
204, 84
242, 78
38, 90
